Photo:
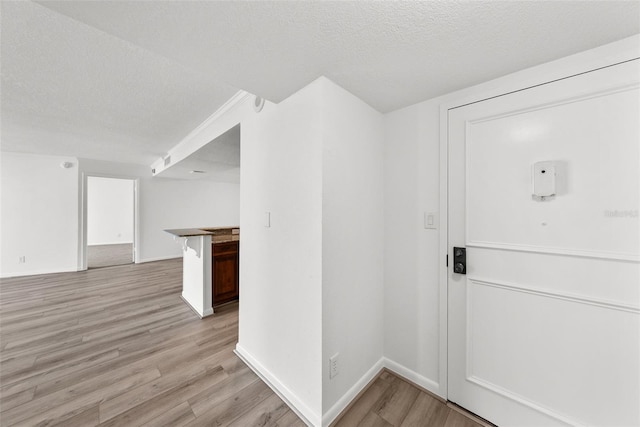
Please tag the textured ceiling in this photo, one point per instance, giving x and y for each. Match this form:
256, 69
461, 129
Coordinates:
391, 54
126, 80
70, 89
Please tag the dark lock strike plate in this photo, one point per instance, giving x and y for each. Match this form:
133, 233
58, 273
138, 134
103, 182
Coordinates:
460, 260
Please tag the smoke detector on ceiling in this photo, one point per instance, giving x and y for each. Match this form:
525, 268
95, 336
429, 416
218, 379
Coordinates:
258, 104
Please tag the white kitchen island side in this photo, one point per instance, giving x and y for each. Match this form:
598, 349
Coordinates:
197, 267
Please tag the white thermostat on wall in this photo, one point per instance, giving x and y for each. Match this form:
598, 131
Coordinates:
543, 180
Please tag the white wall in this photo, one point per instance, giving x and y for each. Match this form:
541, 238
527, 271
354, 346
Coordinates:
352, 245
39, 214
312, 282
41, 207
281, 266
109, 211
167, 203
411, 293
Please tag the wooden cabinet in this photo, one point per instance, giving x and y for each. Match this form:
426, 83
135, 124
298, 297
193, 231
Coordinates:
225, 274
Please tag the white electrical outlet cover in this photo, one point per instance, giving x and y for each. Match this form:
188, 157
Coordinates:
333, 366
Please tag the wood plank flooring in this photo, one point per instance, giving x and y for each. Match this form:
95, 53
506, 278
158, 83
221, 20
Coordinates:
391, 401
116, 346
109, 255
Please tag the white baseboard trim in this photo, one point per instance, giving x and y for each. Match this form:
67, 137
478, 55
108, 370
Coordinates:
74, 268
352, 393
310, 417
160, 258
305, 413
419, 380
110, 243
38, 272
205, 313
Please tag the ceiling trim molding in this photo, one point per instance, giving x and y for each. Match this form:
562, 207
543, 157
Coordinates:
237, 98
204, 133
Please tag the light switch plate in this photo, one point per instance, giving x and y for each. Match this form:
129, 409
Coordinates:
267, 219
431, 220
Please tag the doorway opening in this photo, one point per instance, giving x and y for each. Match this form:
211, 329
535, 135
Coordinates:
110, 232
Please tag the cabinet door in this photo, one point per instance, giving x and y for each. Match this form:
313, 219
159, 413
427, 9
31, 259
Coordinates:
225, 277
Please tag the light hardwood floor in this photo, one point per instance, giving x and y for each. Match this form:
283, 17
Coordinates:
117, 346
391, 401
109, 255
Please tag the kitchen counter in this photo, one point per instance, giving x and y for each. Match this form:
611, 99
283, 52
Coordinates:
225, 238
224, 235
218, 234
187, 232
197, 249
204, 231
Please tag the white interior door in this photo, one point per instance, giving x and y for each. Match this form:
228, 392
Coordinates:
544, 328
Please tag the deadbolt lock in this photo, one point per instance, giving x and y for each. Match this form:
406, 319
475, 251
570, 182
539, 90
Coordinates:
459, 260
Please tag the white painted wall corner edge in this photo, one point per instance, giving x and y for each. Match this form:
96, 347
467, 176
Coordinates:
306, 414
384, 363
414, 377
352, 393
201, 314
311, 418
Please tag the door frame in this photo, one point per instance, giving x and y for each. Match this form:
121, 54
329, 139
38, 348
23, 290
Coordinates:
82, 235
625, 50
